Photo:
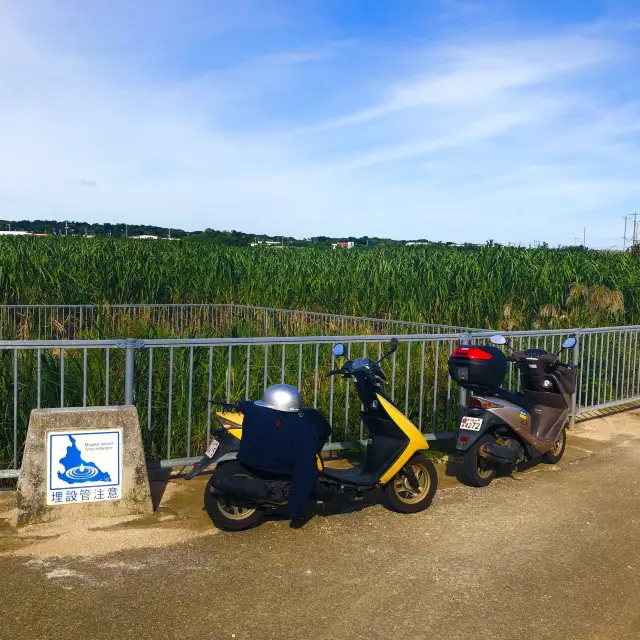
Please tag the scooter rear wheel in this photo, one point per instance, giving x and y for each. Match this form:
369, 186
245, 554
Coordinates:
553, 456
402, 497
479, 471
224, 514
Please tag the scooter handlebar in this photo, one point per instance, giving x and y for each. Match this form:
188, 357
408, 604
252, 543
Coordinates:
228, 406
519, 357
337, 372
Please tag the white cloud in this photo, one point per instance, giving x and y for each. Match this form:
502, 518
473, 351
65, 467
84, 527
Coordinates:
481, 74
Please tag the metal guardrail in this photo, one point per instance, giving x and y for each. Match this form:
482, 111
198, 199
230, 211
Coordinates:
171, 380
57, 322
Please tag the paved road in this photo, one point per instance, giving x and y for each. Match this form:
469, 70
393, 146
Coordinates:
547, 554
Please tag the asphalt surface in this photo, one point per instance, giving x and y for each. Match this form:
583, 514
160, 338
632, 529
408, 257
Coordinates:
551, 553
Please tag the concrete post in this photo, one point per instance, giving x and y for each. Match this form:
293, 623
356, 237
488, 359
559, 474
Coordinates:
81, 463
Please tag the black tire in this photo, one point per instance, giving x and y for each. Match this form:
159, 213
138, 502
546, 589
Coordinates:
479, 471
224, 514
399, 494
553, 456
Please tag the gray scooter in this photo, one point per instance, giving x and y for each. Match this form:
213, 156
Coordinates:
504, 428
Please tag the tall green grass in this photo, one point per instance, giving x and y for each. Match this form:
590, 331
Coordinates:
491, 286
488, 286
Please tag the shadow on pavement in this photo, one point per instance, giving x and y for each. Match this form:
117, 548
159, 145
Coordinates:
158, 484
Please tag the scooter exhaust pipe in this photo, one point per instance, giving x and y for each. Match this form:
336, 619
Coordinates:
497, 453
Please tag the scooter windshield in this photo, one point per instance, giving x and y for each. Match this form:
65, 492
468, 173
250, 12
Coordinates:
362, 363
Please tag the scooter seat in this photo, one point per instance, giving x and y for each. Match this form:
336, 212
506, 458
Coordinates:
351, 476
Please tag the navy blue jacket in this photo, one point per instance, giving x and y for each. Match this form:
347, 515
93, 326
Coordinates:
282, 443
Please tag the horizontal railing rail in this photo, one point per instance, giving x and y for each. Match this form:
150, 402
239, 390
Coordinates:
182, 320
172, 380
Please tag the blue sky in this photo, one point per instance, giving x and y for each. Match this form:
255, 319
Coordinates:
516, 120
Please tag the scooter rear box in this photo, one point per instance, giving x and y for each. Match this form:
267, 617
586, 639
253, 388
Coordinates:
477, 367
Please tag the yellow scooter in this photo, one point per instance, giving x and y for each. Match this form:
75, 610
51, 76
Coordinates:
238, 497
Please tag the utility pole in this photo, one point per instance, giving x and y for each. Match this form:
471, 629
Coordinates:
126, 231
584, 237
635, 229
624, 238
66, 229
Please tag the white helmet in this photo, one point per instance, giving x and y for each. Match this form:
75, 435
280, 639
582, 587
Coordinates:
281, 397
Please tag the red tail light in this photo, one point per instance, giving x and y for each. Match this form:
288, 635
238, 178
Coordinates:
473, 402
471, 353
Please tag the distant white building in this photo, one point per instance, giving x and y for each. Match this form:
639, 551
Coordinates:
15, 233
344, 245
144, 237
270, 243
416, 244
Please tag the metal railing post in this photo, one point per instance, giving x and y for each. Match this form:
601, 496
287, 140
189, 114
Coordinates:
129, 369
576, 361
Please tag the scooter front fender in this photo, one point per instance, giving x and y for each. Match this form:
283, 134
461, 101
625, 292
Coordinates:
416, 441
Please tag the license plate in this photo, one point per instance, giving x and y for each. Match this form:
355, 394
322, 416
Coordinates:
213, 447
471, 424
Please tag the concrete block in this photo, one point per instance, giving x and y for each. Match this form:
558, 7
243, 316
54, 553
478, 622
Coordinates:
83, 463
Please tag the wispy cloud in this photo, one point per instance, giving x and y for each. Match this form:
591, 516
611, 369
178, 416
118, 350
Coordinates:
476, 74
526, 133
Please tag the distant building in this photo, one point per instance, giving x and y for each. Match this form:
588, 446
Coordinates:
144, 237
269, 243
15, 233
344, 245
416, 244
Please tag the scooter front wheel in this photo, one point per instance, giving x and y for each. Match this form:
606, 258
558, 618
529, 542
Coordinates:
402, 496
223, 512
553, 456
479, 471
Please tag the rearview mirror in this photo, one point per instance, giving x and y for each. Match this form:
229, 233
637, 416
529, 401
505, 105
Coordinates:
569, 342
498, 339
393, 347
338, 350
